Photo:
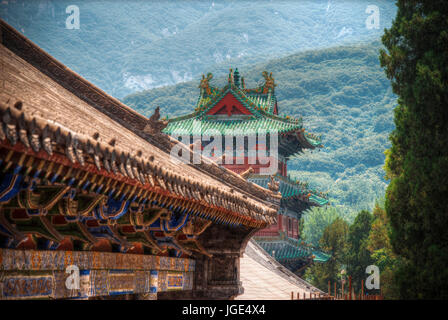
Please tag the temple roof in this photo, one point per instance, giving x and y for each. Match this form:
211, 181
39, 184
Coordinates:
254, 110
288, 248
46, 100
290, 189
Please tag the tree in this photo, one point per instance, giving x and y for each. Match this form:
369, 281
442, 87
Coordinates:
357, 255
381, 252
380, 230
315, 221
334, 241
417, 163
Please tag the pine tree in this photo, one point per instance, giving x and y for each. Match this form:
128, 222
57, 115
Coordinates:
416, 61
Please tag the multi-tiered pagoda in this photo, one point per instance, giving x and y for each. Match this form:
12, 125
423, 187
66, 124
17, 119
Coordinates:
253, 115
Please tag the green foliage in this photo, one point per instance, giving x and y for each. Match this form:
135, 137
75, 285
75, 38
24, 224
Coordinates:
315, 221
379, 236
381, 251
417, 163
334, 241
358, 256
367, 243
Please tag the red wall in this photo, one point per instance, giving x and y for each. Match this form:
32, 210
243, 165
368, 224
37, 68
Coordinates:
287, 225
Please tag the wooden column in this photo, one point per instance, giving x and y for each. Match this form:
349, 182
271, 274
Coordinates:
362, 289
349, 287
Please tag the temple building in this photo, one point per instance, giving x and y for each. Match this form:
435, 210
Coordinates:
93, 205
240, 128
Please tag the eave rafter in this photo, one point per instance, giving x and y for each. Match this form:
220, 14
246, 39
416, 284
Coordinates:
93, 161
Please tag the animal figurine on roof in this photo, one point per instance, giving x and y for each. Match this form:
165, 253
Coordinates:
205, 84
155, 125
269, 82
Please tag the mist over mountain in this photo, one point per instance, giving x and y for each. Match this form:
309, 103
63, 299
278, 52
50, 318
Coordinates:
129, 46
341, 93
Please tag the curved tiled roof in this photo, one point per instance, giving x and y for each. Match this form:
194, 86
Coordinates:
289, 248
262, 119
188, 126
292, 188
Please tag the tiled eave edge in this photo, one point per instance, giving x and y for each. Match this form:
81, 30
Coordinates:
306, 196
297, 244
40, 138
296, 130
119, 112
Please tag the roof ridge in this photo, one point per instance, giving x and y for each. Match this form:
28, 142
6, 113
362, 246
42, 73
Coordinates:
237, 93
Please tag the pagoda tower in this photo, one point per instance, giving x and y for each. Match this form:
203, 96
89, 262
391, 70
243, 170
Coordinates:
234, 125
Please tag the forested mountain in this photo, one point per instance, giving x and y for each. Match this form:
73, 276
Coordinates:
341, 93
127, 46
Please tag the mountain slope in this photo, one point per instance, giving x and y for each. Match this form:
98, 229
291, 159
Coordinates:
340, 92
126, 46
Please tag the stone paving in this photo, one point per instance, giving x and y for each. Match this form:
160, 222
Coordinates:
264, 278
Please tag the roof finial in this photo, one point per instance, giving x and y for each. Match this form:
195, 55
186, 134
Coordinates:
273, 185
243, 84
269, 82
205, 84
154, 124
236, 78
230, 76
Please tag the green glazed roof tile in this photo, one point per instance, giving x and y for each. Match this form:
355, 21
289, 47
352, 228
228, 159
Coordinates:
293, 249
185, 126
292, 188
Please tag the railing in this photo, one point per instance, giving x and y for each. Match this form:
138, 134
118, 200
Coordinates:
341, 296
319, 296
267, 233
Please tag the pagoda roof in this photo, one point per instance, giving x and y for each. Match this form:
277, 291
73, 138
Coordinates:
285, 249
260, 115
290, 189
